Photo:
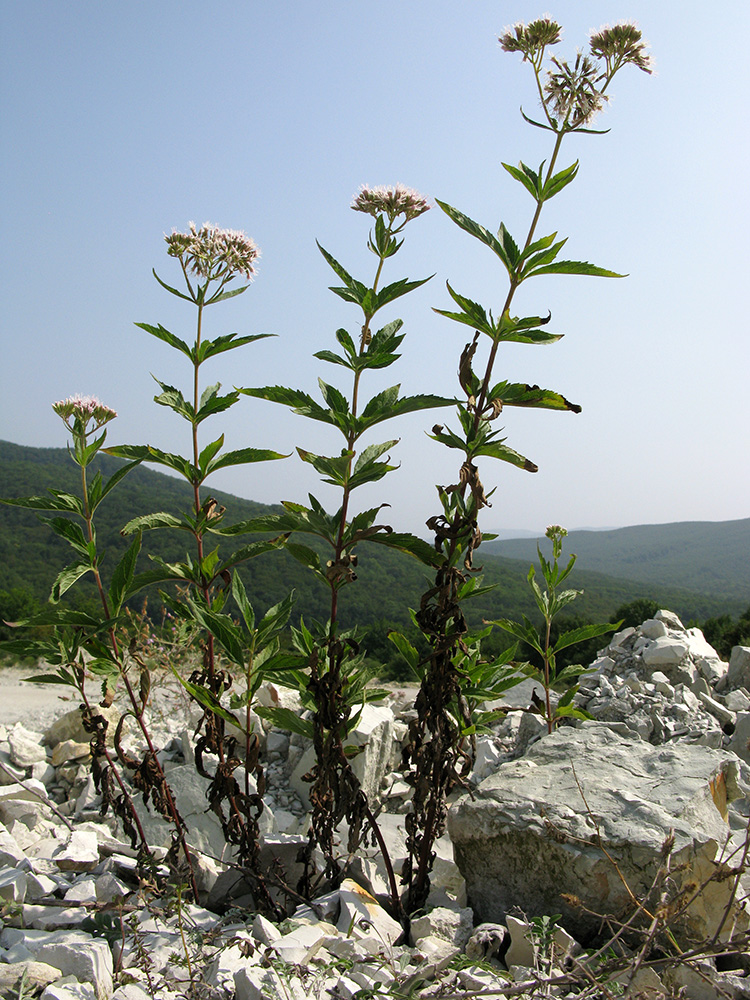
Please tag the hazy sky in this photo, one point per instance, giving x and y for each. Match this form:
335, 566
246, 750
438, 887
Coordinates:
123, 120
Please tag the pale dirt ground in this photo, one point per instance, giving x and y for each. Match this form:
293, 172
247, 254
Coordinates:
35, 705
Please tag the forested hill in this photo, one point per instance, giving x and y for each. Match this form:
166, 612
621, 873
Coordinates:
388, 583
710, 556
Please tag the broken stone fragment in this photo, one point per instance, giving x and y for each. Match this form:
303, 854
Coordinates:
653, 628
665, 652
77, 954
69, 727
25, 746
38, 975
361, 915
69, 750
12, 885
525, 950
68, 988
454, 926
300, 945
80, 853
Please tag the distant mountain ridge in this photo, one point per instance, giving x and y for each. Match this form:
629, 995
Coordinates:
712, 556
389, 583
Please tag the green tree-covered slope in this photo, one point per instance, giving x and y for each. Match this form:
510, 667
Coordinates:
712, 557
388, 582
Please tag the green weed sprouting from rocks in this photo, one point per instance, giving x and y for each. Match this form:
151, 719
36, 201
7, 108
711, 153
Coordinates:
550, 603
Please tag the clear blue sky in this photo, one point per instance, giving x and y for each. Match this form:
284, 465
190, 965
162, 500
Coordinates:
123, 120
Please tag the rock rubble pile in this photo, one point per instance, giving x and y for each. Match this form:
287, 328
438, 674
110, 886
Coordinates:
584, 811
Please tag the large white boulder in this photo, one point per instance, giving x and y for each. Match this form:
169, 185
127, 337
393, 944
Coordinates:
532, 830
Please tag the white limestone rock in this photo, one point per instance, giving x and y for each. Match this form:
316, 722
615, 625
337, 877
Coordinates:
80, 853
10, 850
131, 991
88, 959
737, 701
432, 955
69, 988
738, 673
670, 619
740, 741
70, 727
26, 746
12, 885
254, 983
665, 652
653, 628
361, 914
636, 791
38, 975
300, 945
488, 756
454, 926
69, 750
524, 950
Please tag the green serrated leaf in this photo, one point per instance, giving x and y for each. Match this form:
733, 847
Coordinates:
250, 551
574, 636
576, 267
479, 232
67, 577
243, 456
222, 296
71, 531
527, 177
174, 291
560, 180
210, 348
287, 720
496, 449
472, 313
396, 290
159, 520
122, 577
161, 334
334, 359
299, 402
56, 501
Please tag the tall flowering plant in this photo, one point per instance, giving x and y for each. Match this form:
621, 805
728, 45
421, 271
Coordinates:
570, 95
332, 673
211, 261
80, 644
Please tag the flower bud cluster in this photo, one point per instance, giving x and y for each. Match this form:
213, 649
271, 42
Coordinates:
573, 94
531, 39
210, 252
620, 44
395, 201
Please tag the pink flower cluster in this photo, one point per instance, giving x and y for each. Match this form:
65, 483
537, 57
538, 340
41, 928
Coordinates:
395, 201
213, 253
82, 409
